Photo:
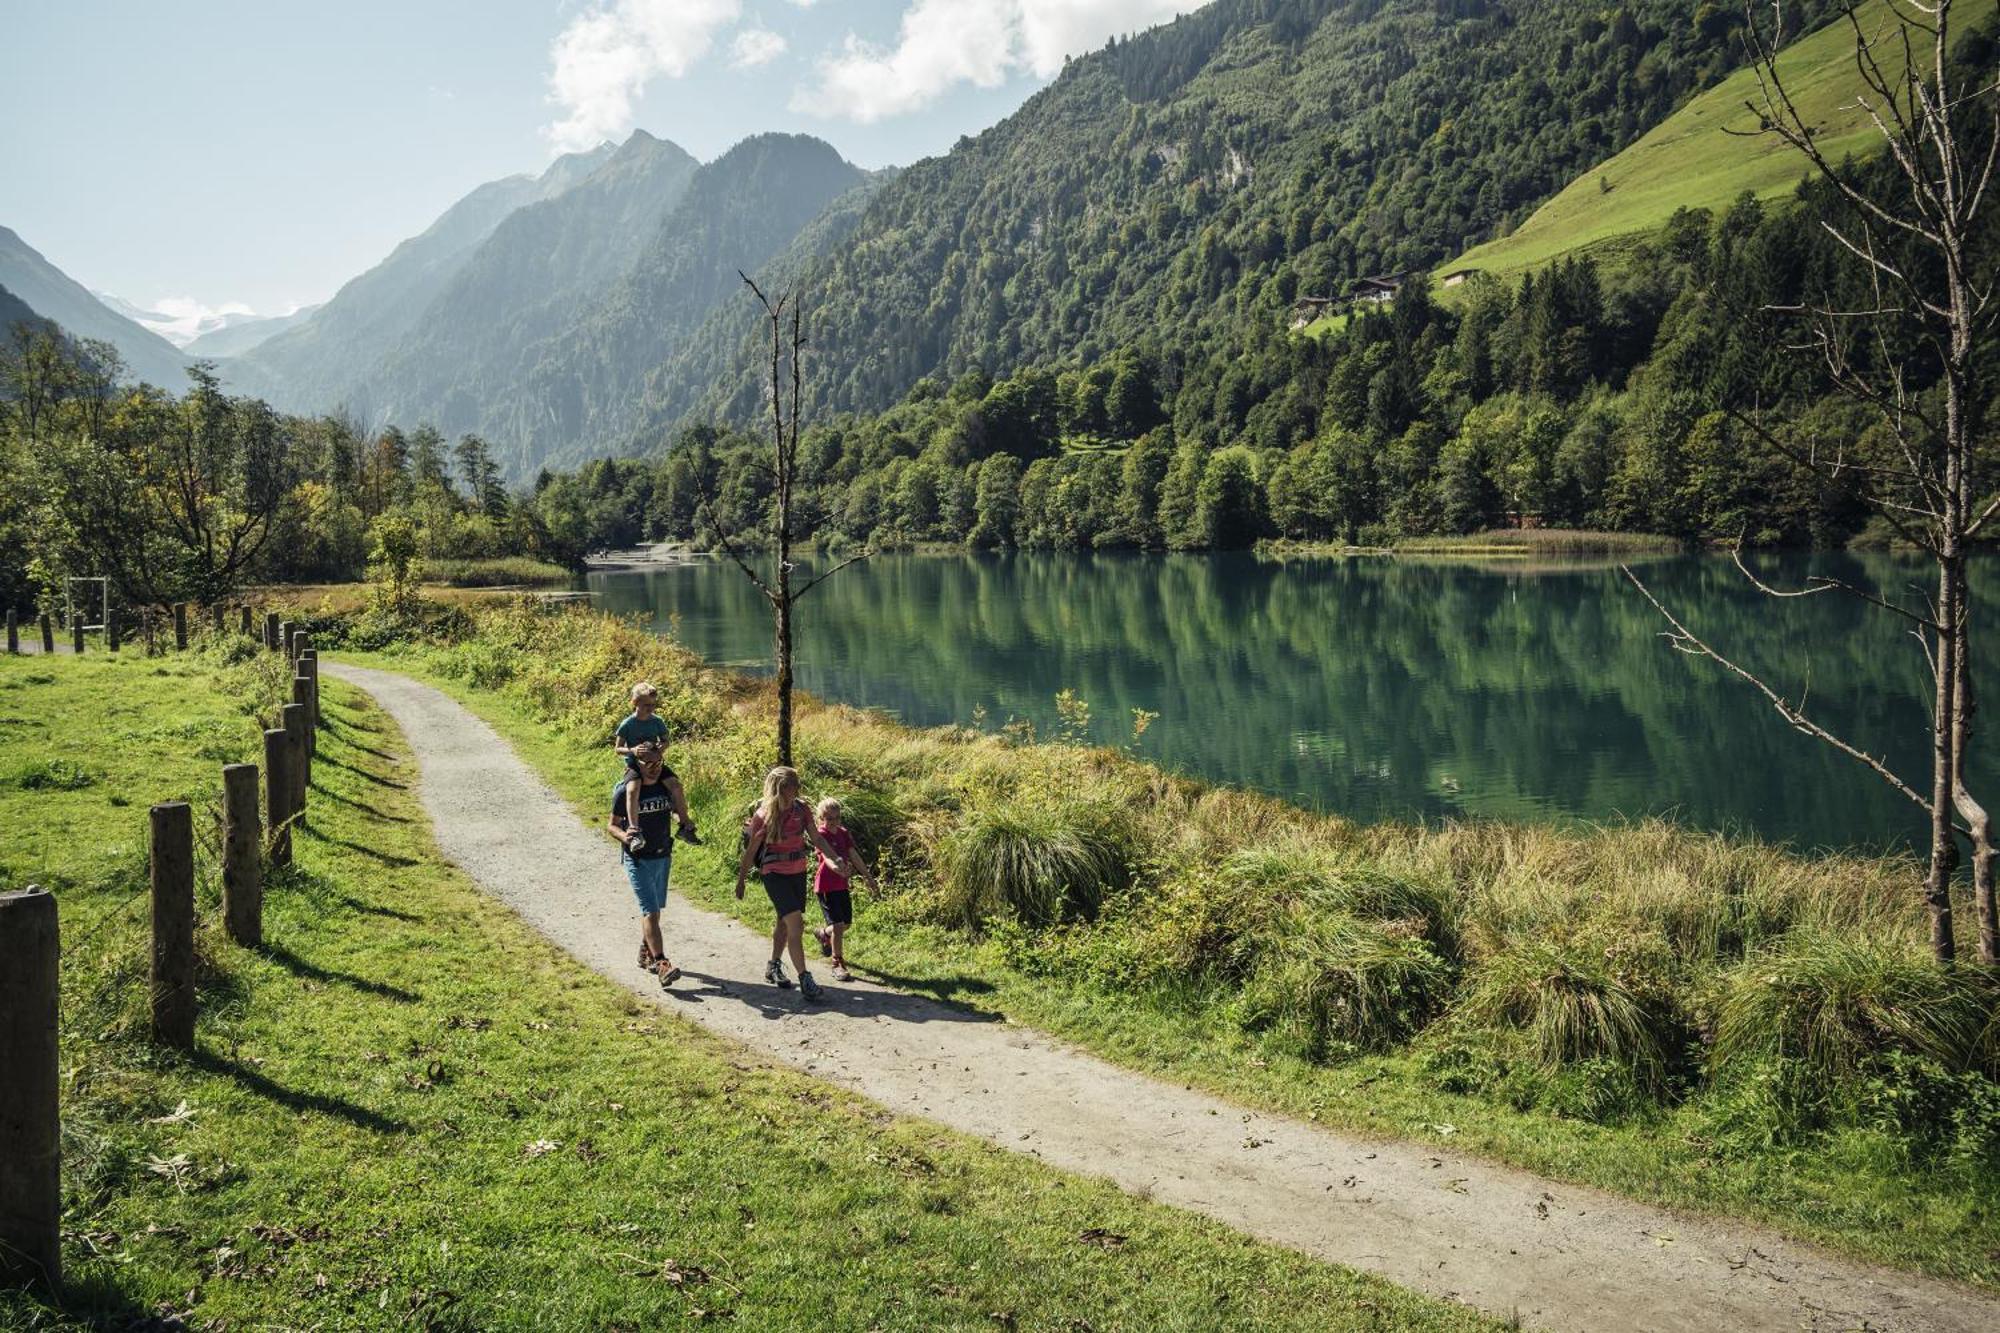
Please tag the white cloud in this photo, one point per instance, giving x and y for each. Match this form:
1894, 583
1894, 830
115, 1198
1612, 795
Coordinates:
943, 43
755, 46
603, 60
182, 319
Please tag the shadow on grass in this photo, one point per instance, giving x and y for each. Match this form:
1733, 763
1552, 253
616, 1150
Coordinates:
92, 1294
374, 854
363, 806
367, 908
319, 1103
299, 967
363, 773
354, 744
944, 990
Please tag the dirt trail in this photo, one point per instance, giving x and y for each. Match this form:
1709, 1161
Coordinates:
1506, 1241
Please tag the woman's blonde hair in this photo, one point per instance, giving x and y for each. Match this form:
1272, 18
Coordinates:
826, 806
774, 785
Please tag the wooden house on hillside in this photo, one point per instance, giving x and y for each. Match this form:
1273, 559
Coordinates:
1309, 308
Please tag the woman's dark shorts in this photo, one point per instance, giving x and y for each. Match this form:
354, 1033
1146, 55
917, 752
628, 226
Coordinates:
788, 892
837, 907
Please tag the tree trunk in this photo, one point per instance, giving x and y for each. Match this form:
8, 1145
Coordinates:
1944, 847
1976, 818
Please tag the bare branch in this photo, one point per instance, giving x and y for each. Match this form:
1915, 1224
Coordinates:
1819, 583
1685, 640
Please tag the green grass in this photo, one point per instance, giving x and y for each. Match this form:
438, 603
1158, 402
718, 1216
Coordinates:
409, 1111
1689, 160
1559, 983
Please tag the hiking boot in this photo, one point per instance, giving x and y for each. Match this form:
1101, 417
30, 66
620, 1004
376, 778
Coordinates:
809, 988
688, 835
824, 935
667, 972
840, 972
775, 974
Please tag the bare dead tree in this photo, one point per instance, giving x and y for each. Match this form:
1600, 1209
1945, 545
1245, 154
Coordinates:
1907, 352
787, 349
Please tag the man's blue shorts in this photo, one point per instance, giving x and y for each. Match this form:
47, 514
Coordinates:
649, 880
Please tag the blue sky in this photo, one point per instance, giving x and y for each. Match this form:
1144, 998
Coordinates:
259, 153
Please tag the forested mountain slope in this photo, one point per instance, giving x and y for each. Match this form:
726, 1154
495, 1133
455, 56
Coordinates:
1196, 178
54, 295
581, 384
309, 367
523, 284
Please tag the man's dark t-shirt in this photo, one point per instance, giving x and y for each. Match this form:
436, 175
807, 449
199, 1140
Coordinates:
656, 817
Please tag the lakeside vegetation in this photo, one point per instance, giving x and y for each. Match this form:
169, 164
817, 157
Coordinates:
407, 1110
1687, 1018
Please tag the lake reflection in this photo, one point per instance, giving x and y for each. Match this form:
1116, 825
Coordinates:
1379, 688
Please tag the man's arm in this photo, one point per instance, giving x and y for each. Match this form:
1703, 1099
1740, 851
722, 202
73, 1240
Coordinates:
615, 826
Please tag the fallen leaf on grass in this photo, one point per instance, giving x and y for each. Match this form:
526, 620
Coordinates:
541, 1147
176, 1168
1109, 1240
176, 1116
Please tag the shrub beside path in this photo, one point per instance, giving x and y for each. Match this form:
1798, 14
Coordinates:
1506, 1241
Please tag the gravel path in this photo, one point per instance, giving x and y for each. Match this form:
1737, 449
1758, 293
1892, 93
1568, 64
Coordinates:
1556, 1255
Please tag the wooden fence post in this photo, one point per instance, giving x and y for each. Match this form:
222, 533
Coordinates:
243, 621
180, 627
215, 613
278, 795
242, 856
146, 627
285, 638
76, 633
302, 695
48, 634
111, 629
295, 757
13, 634
31, 1166
173, 925
271, 630
309, 668
300, 642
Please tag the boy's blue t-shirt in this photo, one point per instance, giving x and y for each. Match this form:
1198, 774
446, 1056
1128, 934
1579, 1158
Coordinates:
636, 730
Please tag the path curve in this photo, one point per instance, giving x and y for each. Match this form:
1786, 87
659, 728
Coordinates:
1557, 1255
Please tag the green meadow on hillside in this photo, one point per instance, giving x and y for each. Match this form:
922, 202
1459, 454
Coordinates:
1703, 156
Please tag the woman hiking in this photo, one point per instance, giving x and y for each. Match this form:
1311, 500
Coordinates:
775, 843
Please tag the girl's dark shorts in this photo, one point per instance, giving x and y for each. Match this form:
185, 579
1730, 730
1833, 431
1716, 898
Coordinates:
787, 892
837, 907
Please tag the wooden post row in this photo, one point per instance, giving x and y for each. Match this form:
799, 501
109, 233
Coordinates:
173, 925
180, 626
48, 634
297, 775
242, 856
146, 628
111, 629
243, 621
278, 795
215, 611
13, 634
76, 633
271, 630
30, 1166
285, 638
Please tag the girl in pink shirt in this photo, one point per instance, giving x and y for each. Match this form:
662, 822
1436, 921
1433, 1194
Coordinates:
836, 904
